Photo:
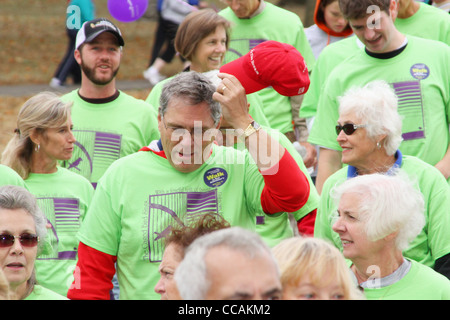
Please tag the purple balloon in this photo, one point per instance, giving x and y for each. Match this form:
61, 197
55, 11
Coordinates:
127, 10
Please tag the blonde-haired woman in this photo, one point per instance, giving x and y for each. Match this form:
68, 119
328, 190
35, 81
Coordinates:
313, 269
43, 137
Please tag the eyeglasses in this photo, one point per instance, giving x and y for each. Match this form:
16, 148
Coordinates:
228, 2
349, 128
26, 240
197, 130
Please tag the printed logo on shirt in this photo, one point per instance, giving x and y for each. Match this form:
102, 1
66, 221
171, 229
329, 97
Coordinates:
215, 177
94, 152
420, 71
410, 106
63, 215
169, 210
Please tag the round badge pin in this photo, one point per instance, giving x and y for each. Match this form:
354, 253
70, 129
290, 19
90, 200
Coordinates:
215, 177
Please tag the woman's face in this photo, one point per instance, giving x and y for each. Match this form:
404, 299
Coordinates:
358, 147
17, 261
307, 290
334, 18
166, 285
57, 143
210, 51
352, 230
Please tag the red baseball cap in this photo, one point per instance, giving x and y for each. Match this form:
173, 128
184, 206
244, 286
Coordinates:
271, 63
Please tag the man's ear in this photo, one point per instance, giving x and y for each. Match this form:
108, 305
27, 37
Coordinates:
219, 123
77, 56
393, 9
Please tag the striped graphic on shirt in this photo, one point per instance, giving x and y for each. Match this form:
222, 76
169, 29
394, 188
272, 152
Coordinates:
175, 209
63, 214
410, 106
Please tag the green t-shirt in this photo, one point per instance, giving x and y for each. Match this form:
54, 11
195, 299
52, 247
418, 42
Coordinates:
142, 195
41, 293
274, 228
421, 81
328, 59
434, 240
420, 283
428, 22
9, 177
108, 131
255, 109
63, 197
273, 23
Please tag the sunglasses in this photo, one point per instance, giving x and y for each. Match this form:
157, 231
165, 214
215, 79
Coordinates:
26, 240
349, 128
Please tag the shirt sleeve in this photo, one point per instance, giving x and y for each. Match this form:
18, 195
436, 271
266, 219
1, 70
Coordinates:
93, 275
286, 187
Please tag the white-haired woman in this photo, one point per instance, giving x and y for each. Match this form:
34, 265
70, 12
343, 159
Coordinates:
369, 132
22, 233
378, 216
43, 138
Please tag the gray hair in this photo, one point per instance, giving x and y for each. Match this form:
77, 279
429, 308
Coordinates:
191, 274
14, 197
387, 204
376, 105
194, 88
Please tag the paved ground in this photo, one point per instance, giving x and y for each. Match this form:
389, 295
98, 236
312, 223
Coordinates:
30, 89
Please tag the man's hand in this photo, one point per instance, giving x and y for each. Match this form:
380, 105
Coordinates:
231, 95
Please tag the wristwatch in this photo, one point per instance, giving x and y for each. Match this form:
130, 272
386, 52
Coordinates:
251, 129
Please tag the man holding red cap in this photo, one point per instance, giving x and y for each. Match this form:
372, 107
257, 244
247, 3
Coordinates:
257, 21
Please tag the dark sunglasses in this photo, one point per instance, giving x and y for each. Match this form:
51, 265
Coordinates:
349, 128
26, 240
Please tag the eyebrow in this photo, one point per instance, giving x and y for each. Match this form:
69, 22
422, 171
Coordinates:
272, 292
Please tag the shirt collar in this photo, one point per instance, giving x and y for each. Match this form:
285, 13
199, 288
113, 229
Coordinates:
353, 172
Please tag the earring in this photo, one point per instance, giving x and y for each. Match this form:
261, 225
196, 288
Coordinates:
37, 147
378, 145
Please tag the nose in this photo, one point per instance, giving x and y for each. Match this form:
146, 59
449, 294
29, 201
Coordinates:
72, 138
341, 136
221, 47
159, 287
338, 226
341, 20
369, 33
17, 247
235, 5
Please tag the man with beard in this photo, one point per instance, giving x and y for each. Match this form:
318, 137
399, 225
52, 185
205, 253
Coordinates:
108, 123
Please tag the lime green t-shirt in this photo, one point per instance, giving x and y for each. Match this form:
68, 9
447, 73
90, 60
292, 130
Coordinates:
420, 283
141, 196
434, 240
428, 22
273, 23
331, 56
9, 177
274, 228
63, 197
41, 293
108, 131
421, 80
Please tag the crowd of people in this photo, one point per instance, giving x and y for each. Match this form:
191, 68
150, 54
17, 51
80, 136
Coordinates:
283, 163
